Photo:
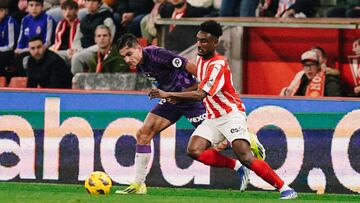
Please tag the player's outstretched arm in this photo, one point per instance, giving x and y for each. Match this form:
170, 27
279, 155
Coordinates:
197, 95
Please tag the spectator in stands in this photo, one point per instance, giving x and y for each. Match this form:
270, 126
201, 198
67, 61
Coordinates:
187, 34
290, 8
17, 9
147, 24
345, 8
55, 10
210, 8
243, 8
107, 59
312, 81
9, 31
45, 68
65, 31
131, 12
37, 22
84, 42
323, 59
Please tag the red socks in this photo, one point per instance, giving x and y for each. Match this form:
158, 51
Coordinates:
212, 157
264, 171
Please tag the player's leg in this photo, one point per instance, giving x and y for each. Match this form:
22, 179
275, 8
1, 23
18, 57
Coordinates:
242, 151
161, 116
255, 145
235, 131
201, 148
153, 124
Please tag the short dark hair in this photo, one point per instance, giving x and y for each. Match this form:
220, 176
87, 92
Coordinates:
128, 40
323, 52
4, 4
36, 38
212, 27
69, 4
40, 1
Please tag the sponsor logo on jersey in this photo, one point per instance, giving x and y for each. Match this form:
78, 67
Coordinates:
234, 130
197, 118
38, 30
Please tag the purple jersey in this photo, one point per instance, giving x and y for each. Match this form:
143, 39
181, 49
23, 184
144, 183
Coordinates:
165, 69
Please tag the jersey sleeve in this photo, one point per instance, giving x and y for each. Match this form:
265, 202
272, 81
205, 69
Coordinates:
22, 38
170, 59
49, 31
214, 79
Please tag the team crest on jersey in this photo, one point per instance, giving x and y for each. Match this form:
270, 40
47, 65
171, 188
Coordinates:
38, 30
176, 62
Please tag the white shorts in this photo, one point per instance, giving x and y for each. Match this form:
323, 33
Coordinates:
231, 126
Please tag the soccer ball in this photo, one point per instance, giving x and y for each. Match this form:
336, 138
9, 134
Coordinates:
98, 183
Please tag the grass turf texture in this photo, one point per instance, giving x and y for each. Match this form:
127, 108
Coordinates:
36, 192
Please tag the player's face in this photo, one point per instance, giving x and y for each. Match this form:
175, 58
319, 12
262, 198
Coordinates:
36, 49
34, 8
206, 44
132, 56
102, 38
310, 69
92, 5
69, 14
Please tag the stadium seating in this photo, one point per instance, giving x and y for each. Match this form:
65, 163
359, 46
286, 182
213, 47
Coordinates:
325, 6
18, 82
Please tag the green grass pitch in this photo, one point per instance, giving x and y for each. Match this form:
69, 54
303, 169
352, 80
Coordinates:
36, 192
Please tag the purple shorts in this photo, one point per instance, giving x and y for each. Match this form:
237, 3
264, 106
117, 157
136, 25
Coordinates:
195, 112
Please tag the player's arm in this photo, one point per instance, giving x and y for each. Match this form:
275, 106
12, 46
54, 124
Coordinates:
191, 68
197, 95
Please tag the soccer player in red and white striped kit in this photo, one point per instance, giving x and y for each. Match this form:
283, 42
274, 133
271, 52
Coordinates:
226, 118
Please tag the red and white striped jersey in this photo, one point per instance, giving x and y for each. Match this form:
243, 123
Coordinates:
215, 79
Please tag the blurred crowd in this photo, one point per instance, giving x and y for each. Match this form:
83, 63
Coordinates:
49, 41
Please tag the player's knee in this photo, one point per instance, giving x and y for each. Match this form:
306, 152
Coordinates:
246, 158
143, 137
194, 152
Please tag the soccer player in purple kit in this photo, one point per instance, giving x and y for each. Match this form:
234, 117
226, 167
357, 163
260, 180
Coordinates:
169, 72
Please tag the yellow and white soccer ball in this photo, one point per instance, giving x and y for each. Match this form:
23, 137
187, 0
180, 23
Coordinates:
98, 183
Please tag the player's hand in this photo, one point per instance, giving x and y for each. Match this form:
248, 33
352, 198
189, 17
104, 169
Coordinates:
127, 18
157, 93
172, 100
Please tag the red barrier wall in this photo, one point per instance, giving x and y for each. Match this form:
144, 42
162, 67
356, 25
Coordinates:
271, 55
